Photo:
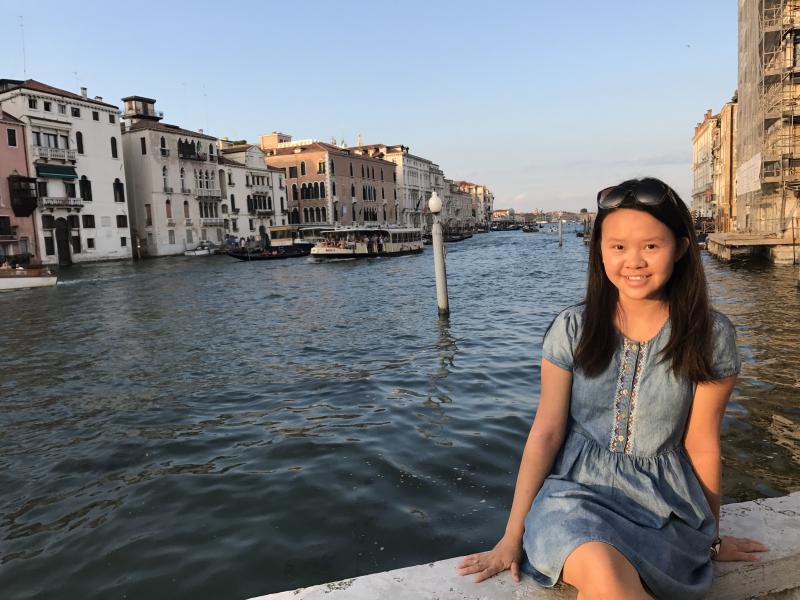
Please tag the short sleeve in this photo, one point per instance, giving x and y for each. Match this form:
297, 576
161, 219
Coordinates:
725, 355
560, 340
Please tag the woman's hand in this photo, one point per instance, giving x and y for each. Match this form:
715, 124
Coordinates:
505, 555
733, 548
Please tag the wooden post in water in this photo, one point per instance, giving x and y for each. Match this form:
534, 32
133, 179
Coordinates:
560, 231
435, 206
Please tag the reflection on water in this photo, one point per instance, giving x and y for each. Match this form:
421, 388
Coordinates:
206, 428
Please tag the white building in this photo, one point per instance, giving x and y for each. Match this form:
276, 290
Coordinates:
255, 198
173, 186
76, 156
457, 212
416, 179
482, 202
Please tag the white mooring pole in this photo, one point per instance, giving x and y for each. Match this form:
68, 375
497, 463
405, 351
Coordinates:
560, 231
435, 206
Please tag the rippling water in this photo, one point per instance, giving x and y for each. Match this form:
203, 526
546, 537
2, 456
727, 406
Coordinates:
206, 428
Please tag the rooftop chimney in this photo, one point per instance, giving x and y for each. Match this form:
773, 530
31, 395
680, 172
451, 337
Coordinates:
84, 92
98, 98
200, 130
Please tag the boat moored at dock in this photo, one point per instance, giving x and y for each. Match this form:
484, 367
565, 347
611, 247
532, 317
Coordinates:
356, 242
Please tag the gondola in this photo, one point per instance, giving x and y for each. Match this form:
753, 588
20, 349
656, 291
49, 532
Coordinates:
275, 253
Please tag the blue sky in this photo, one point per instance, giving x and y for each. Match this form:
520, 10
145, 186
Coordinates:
543, 102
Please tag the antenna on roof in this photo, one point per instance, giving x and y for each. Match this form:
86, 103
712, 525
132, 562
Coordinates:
24, 61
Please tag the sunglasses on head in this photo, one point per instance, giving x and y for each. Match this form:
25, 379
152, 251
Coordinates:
646, 193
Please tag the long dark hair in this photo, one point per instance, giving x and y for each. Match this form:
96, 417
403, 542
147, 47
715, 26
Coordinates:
691, 320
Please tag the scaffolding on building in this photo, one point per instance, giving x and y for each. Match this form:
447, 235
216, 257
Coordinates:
779, 43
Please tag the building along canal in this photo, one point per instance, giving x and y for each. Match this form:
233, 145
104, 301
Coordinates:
206, 428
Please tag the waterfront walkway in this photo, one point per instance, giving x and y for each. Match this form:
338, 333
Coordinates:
775, 521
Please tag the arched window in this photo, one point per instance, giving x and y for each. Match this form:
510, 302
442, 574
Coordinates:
224, 209
294, 191
316, 189
85, 189
250, 204
119, 191
318, 214
79, 141
302, 168
233, 203
114, 153
381, 174
324, 216
183, 179
333, 188
383, 193
163, 146
164, 177
211, 149
362, 171
322, 189
295, 217
169, 209
186, 209
352, 190
384, 212
351, 168
305, 215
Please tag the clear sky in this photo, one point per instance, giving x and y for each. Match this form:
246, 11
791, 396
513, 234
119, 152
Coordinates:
544, 102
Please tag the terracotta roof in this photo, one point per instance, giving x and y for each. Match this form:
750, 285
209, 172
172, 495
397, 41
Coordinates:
166, 127
237, 148
10, 118
38, 86
320, 147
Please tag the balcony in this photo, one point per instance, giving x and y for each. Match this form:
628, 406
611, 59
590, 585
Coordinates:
8, 237
54, 153
235, 211
188, 222
260, 189
167, 189
199, 156
263, 212
208, 193
211, 222
170, 222
51, 202
186, 190
164, 152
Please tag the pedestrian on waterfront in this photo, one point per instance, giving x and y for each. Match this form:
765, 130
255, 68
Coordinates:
618, 492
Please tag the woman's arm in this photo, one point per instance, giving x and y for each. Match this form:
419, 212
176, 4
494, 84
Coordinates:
702, 437
702, 443
544, 441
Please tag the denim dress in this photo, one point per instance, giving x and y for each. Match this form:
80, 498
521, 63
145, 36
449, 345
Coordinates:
622, 475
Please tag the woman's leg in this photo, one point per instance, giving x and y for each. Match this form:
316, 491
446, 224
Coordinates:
599, 571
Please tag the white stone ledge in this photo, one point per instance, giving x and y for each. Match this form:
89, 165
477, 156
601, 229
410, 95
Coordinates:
775, 521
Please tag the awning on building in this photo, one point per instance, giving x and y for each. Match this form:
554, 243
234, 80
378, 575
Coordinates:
58, 171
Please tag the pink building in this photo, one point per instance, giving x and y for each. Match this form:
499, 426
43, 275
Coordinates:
17, 195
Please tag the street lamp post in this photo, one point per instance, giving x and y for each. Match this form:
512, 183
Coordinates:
435, 206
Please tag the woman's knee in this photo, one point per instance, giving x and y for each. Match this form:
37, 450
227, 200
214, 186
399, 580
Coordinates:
598, 571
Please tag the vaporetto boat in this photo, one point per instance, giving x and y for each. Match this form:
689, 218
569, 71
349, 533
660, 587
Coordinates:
357, 242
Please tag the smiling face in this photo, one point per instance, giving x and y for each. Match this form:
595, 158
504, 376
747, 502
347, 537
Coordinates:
639, 253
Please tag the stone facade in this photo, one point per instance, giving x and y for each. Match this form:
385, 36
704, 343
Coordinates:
76, 156
173, 182
17, 195
328, 184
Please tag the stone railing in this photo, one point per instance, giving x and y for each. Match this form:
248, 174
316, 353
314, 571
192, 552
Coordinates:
60, 202
207, 193
210, 222
774, 521
56, 153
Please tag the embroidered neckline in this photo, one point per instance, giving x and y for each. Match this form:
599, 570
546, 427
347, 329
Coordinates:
627, 394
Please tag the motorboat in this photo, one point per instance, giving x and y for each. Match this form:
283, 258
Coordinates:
204, 248
21, 278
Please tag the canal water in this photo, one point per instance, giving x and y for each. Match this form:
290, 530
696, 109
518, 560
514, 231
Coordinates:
206, 428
